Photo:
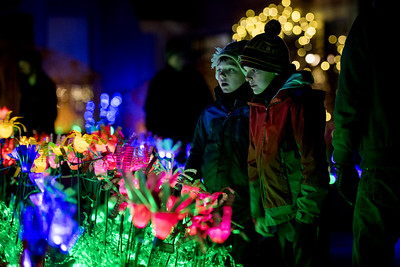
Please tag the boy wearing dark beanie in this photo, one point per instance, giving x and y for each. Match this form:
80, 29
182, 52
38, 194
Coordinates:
287, 164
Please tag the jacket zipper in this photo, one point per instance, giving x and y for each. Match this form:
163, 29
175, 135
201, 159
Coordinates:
262, 150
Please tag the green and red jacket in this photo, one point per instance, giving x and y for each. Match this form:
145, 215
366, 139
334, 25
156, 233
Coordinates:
287, 164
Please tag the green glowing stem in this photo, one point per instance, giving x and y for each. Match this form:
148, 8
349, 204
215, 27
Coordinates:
106, 218
121, 229
128, 250
137, 252
79, 195
98, 193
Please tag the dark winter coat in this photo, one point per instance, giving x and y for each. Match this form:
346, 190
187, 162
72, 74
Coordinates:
366, 112
287, 164
220, 144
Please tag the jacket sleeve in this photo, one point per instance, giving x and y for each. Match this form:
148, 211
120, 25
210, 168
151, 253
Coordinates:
256, 206
197, 146
354, 78
308, 122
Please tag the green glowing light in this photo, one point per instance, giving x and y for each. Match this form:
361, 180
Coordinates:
332, 179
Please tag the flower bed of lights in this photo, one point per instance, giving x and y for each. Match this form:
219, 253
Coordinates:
99, 199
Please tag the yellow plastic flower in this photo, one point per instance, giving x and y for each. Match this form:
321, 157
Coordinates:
80, 143
40, 163
56, 149
7, 126
27, 141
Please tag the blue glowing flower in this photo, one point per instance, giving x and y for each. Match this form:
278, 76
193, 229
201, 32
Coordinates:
26, 155
51, 219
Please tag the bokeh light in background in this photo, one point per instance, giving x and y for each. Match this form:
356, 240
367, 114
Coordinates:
304, 34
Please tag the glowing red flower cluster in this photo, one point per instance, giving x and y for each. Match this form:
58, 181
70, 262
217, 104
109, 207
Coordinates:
150, 199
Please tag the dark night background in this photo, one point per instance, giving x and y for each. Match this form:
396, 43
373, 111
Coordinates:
95, 46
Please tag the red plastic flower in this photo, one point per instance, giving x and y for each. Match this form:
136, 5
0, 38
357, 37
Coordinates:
163, 223
140, 215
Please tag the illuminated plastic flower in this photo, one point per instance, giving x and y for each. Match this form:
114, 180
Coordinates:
141, 215
163, 223
167, 151
40, 163
56, 154
209, 221
200, 225
26, 155
51, 220
151, 196
7, 148
218, 234
191, 190
205, 202
56, 149
100, 169
7, 126
27, 141
80, 143
166, 147
3, 112
108, 137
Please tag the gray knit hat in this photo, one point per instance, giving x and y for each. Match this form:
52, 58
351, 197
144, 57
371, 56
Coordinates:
232, 50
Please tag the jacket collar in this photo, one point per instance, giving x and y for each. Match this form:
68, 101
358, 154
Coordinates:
294, 85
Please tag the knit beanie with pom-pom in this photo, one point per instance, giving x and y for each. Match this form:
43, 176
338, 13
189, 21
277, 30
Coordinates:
267, 51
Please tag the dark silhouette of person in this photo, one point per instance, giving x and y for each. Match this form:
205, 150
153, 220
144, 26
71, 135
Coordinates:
38, 105
366, 121
176, 97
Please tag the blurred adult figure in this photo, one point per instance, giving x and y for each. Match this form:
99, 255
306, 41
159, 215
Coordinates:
38, 105
366, 120
177, 95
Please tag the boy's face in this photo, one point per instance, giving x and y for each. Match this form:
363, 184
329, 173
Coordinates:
259, 79
229, 75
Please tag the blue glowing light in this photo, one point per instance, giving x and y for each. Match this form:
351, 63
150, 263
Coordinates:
104, 100
108, 111
90, 106
116, 100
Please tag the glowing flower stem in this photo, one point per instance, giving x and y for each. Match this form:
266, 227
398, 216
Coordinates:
79, 156
121, 230
106, 218
98, 192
